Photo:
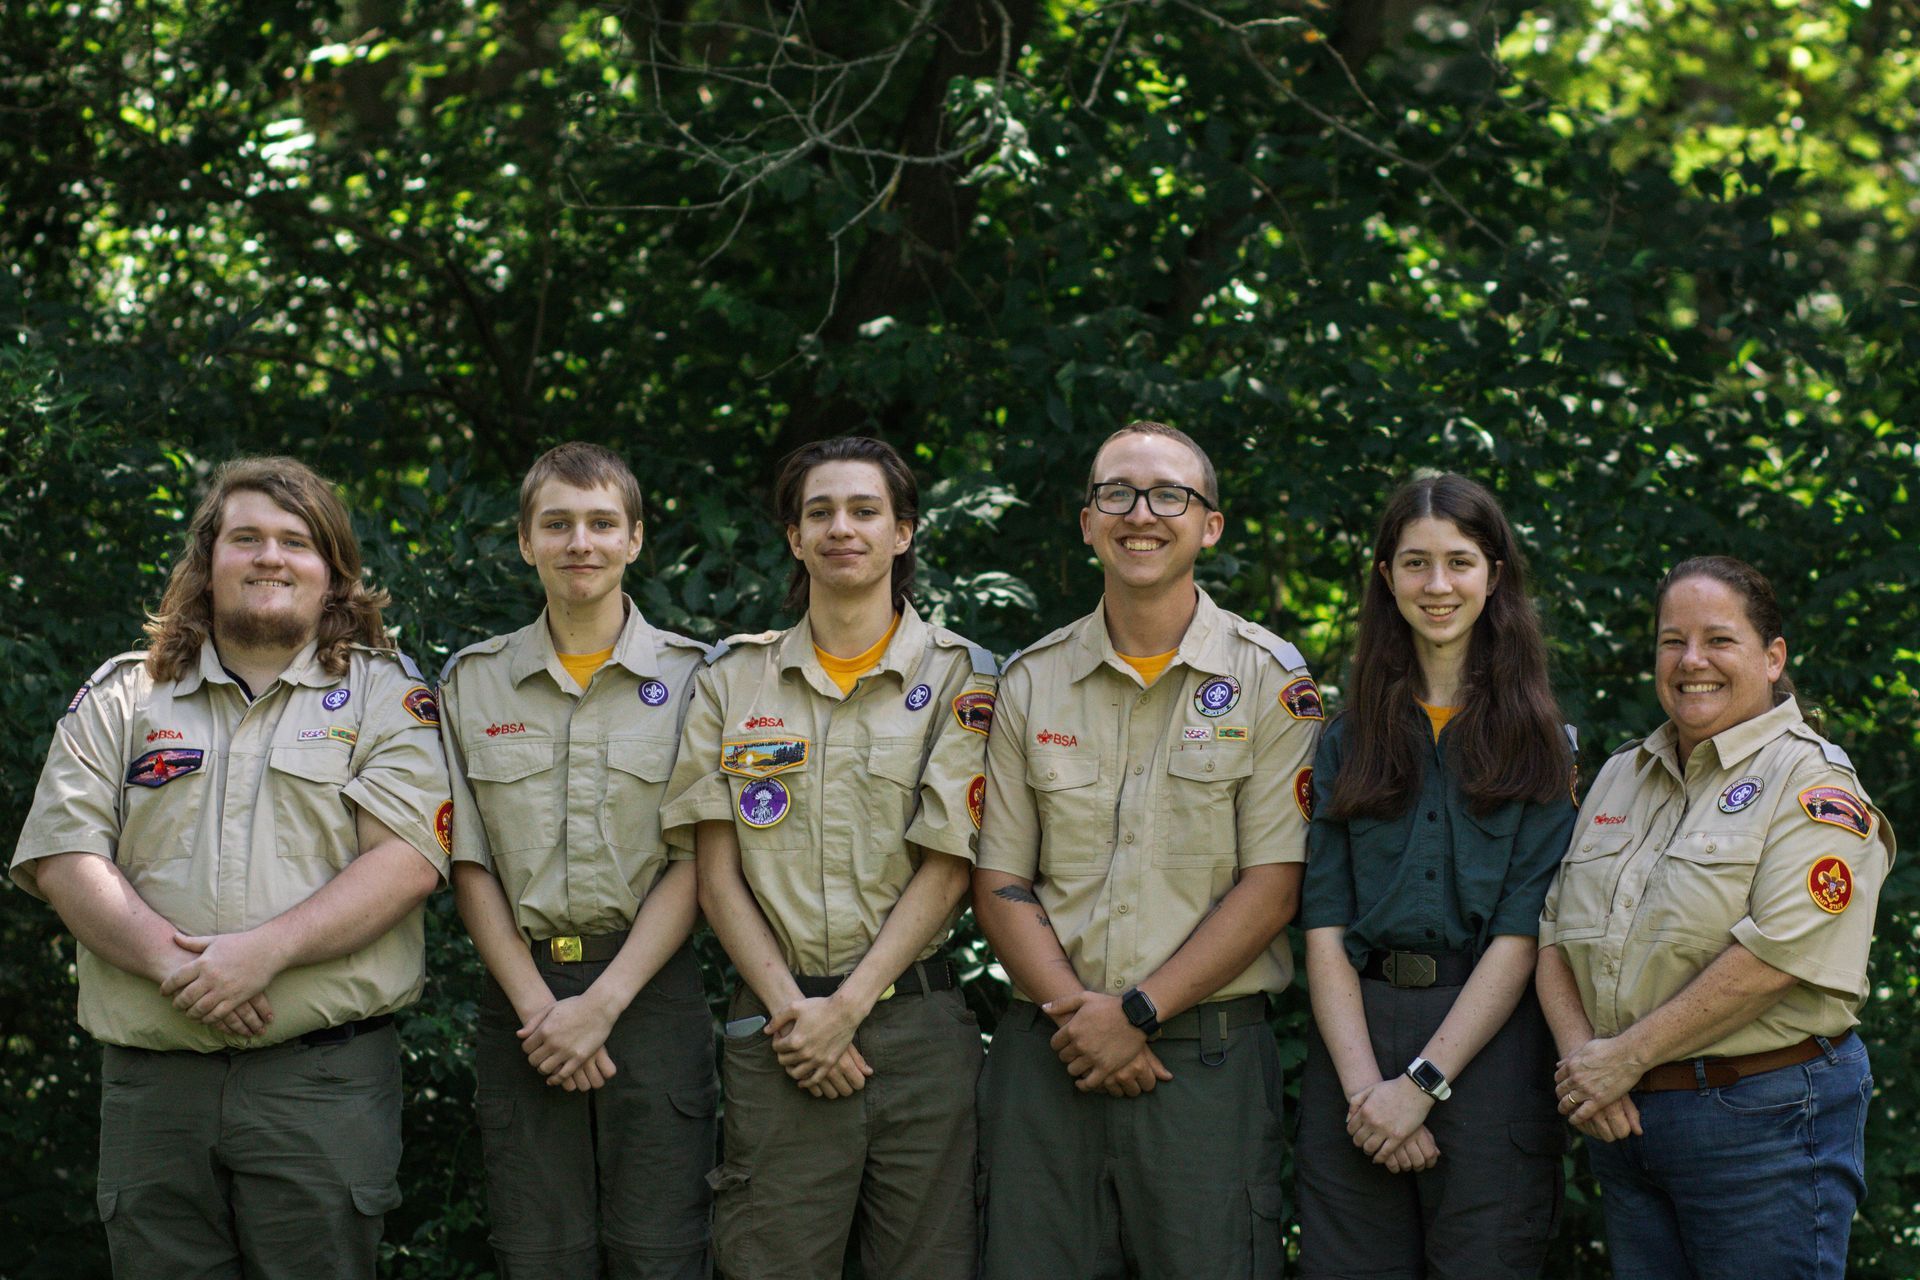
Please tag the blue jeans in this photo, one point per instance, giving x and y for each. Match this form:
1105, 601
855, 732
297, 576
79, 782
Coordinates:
1757, 1181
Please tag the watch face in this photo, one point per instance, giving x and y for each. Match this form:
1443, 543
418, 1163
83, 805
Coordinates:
1137, 1007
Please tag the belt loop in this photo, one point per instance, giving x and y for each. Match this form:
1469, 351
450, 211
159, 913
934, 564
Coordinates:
920, 972
1826, 1047
1213, 1036
1700, 1075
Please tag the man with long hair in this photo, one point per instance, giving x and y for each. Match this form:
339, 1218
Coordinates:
595, 1047
1146, 821
240, 825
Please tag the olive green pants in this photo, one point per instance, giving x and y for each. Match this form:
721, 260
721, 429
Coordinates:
274, 1163
1182, 1183
611, 1181
891, 1166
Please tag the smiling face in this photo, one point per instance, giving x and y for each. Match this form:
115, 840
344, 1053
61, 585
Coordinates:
848, 535
580, 542
1141, 552
1440, 580
268, 580
1712, 669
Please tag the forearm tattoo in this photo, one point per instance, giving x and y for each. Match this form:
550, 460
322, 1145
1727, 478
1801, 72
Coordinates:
1019, 893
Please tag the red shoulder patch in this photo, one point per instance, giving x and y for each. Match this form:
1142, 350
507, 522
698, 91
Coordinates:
1830, 884
1303, 792
977, 799
443, 825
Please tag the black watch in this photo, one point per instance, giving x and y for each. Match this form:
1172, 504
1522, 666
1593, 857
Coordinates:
1138, 1006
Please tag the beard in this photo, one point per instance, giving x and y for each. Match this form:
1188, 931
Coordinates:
274, 629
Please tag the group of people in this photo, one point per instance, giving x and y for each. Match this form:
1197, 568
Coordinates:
241, 823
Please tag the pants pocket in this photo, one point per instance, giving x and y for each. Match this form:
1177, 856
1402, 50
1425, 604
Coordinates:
1535, 1191
733, 1251
1266, 1207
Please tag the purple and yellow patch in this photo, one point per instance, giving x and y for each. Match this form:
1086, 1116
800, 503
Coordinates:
1217, 696
764, 802
158, 768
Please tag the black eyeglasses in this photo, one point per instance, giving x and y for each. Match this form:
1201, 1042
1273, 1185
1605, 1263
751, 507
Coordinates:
1164, 500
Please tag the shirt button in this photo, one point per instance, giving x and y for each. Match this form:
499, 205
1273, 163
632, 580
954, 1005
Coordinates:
1431, 874
1626, 902
1123, 908
1432, 816
1608, 966
1139, 769
1587, 847
1118, 984
1209, 766
1052, 774
1430, 933
1710, 846
1129, 837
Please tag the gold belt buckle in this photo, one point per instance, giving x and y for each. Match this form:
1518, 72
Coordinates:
566, 950
888, 993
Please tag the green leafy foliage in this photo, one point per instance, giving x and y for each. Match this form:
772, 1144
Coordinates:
1649, 271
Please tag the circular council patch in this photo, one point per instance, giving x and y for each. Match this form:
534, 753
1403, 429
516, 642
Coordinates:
918, 696
653, 693
336, 699
1303, 792
1217, 696
764, 802
1739, 795
977, 799
443, 825
1830, 884
420, 705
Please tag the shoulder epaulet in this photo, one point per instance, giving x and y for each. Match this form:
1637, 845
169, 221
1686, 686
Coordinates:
1836, 755
1283, 652
106, 668
679, 641
1628, 745
1573, 737
407, 664
720, 650
1046, 641
492, 644
981, 656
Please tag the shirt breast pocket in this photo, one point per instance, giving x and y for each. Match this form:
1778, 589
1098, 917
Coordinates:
1076, 824
1197, 820
1587, 877
637, 772
773, 812
1700, 889
310, 817
513, 787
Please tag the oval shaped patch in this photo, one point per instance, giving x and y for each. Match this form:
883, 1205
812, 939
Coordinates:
764, 802
336, 699
1217, 696
1739, 795
1830, 884
653, 693
919, 696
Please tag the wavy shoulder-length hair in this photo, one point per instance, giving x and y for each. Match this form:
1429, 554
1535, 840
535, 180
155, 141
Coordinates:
903, 495
184, 620
1506, 743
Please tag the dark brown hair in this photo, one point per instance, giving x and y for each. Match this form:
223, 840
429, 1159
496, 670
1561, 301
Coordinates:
184, 619
1755, 592
584, 466
903, 494
1209, 479
1506, 743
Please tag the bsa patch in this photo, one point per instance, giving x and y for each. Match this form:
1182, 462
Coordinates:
1830, 884
1302, 700
762, 757
653, 693
338, 734
974, 710
443, 825
1837, 807
977, 799
336, 699
763, 802
78, 698
313, 735
1197, 733
1739, 795
158, 768
919, 696
419, 703
1303, 792
1217, 696
1231, 733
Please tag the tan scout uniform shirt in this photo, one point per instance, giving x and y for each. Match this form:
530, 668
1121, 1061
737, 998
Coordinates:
861, 784
223, 814
1666, 869
555, 791
1132, 809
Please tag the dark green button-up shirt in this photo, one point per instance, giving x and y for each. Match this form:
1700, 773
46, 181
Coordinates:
1437, 877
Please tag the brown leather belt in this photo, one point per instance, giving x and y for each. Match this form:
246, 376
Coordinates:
1718, 1073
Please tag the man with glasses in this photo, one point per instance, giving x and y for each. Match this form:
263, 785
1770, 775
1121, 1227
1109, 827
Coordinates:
1148, 777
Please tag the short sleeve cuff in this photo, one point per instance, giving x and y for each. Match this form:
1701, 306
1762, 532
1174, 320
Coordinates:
400, 818
701, 804
942, 839
1295, 851
27, 876
1517, 921
1846, 982
1326, 916
1545, 937
1009, 861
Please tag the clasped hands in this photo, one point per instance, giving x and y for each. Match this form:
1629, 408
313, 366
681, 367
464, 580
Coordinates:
1101, 1049
1591, 1085
1388, 1121
221, 979
813, 1041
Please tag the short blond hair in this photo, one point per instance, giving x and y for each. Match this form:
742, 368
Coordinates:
1209, 481
584, 466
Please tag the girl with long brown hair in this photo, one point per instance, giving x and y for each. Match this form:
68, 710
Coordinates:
1428, 1139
